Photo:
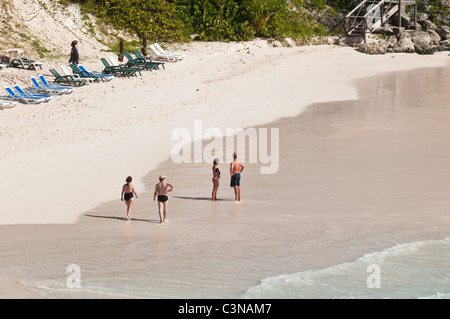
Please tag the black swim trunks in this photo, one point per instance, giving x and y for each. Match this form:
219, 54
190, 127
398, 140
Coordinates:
235, 180
128, 196
163, 198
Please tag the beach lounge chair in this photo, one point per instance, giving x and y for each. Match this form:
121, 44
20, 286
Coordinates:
17, 97
162, 51
21, 92
105, 77
3, 64
111, 69
137, 62
153, 65
66, 72
67, 79
24, 63
78, 74
54, 85
124, 67
159, 56
40, 88
6, 103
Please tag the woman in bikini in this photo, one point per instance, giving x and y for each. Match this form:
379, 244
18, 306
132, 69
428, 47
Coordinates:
216, 178
128, 193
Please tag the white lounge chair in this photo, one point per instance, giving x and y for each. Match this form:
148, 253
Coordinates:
7, 103
162, 51
163, 57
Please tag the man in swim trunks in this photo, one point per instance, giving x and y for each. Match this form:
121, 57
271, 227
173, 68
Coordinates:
236, 169
161, 190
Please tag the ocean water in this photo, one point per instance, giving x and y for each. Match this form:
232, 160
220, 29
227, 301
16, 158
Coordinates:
358, 209
414, 270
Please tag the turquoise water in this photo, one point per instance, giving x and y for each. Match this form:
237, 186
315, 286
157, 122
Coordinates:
414, 270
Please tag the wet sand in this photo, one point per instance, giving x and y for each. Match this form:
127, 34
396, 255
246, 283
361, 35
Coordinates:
354, 177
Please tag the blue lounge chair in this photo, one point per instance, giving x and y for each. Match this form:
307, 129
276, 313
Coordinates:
90, 77
16, 97
42, 89
106, 77
21, 92
54, 85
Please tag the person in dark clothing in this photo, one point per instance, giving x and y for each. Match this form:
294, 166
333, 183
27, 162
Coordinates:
74, 53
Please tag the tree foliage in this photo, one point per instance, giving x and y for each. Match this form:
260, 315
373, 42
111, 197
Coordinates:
211, 20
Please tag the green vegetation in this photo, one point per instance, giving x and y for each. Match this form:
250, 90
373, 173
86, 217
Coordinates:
212, 20
438, 9
226, 20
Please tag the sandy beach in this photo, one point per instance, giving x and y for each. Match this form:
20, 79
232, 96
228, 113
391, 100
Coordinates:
64, 163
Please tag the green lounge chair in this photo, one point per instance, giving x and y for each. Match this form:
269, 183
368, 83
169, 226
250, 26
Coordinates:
109, 69
154, 65
67, 79
24, 63
117, 70
81, 74
138, 63
124, 67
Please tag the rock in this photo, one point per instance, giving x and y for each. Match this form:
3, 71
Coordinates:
421, 17
422, 42
440, 48
444, 32
290, 42
390, 41
404, 45
446, 43
428, 25
277, 44
435, 38
406, 21
373, 48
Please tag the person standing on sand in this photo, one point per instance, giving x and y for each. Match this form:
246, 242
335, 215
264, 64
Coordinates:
74, 53
127, 194
216, 178
236, 169
161, 190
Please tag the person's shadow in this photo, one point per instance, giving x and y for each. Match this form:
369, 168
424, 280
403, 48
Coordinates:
124, 219
201, 198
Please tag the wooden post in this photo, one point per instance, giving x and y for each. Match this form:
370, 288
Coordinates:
415, 15
122, 51
144, 45
399, 14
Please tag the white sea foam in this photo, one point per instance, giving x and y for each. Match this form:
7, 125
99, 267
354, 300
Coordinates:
418, 269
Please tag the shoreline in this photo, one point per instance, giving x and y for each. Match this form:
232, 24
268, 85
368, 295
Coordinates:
216, 87
225, 211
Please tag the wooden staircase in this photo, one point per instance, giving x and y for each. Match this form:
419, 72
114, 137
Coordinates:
371, 14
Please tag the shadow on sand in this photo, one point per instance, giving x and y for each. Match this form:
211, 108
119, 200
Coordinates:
203, 198
124, 219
